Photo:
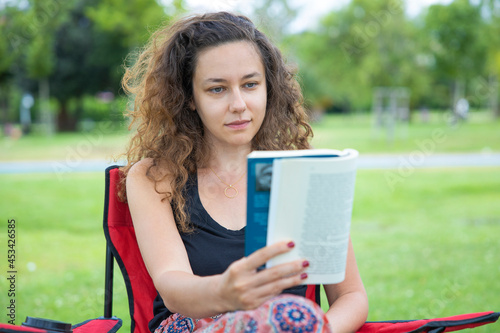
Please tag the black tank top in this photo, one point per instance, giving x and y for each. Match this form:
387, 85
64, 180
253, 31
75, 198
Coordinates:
211, 248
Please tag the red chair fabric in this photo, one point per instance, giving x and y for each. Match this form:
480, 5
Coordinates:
120, 236
435, 325
98, 325
8, 328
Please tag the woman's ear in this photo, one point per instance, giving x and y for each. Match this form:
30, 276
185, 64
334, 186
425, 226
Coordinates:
192, 106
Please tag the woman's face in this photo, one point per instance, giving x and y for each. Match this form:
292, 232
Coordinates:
230, 93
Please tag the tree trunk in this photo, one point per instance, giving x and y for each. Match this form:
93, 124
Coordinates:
65, 122
4, 105
79, 110
457, 93
47, 119
493, 83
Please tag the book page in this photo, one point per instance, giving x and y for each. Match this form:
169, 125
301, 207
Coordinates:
260, 170
314, 210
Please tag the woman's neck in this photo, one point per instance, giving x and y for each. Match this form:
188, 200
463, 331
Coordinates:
228, 160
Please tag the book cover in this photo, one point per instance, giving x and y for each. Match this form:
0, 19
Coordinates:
305, 196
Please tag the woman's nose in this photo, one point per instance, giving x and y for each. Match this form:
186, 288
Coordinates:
237, 102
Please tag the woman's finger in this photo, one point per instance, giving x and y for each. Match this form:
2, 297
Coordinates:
264, 292
281, 272
263, 255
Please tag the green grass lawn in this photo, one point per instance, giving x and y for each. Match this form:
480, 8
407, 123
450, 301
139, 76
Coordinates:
427, 248
479, 134
64, 146
60, 246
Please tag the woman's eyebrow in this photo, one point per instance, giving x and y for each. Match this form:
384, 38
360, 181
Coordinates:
251, 75
245, 77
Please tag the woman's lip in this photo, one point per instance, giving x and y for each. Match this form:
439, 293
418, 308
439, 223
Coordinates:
238, 124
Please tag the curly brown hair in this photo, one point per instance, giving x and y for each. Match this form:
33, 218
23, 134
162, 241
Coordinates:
169, 133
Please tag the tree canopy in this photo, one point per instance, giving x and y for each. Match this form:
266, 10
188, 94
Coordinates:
77, 48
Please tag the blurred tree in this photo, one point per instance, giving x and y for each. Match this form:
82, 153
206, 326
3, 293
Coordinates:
78, 47
308, 50
265, 14
87, 61
131, 19
91, 47
7, 55
367, 43
7, 58
456, 41
29, 42
39, 65
490, 89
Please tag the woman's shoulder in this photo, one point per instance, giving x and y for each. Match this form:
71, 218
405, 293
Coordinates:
146, 171
140, 168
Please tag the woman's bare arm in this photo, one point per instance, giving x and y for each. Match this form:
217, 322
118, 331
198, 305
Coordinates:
348, 300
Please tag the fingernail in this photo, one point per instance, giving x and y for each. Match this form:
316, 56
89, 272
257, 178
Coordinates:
303, 276
291, 244
305, 263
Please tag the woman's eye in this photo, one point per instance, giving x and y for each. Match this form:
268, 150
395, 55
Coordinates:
217, 90
251, 85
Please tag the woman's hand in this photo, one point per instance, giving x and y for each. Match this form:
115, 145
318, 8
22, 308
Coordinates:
244, 287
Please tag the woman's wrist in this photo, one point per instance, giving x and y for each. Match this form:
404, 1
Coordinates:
219, 293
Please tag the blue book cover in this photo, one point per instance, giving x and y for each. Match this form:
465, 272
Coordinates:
260, 168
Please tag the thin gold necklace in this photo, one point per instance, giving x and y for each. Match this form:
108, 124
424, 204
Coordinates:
229, 186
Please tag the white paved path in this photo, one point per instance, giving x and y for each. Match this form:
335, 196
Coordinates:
414, 159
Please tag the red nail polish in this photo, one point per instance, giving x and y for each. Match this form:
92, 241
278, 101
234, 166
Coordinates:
303, 276
305, 263
291, 244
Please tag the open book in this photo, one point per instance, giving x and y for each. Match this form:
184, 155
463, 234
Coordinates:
305, 196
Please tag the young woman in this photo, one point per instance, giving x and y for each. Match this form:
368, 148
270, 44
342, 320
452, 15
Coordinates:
208, 90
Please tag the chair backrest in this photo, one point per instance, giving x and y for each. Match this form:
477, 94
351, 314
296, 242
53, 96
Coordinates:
122, 245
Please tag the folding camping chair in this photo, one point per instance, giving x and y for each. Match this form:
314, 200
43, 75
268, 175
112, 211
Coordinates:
122, 246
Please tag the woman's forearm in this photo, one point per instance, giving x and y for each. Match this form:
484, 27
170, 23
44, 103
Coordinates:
190, 295
348, 313
240, 287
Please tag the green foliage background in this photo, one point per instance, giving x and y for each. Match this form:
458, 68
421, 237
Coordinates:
67, 51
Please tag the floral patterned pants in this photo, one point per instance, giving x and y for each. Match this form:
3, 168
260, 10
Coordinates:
285, 313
